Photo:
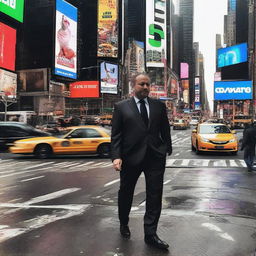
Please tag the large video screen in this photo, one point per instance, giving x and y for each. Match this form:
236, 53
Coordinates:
108, 28
7, 47
66, 40
13, 8
232, 55
233, 90
108, 78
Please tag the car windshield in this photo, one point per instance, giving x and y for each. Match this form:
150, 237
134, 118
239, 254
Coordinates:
213, 129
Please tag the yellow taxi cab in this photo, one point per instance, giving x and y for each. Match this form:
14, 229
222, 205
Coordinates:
180, 124
76, 140
214, 137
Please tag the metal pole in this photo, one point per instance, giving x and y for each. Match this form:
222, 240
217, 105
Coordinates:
5, 109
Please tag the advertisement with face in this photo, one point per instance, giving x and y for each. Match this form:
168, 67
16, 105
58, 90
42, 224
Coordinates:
8, 83
84, 89
185, 90
108, 78
155, 33
66, 40
13, 8
45, 105
233, 90
232, 55
7, 47
33, 80
107, 28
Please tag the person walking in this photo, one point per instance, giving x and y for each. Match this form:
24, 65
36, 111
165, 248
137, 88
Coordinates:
248, 145
140, 141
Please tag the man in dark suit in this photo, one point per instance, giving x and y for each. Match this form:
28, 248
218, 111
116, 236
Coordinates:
248, 145
140, 140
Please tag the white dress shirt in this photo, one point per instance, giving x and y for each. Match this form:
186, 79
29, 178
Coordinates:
138, 104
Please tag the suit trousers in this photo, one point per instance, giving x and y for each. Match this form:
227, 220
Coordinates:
153, 168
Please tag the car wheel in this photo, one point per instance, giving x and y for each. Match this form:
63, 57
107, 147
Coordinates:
104, 150
43, 151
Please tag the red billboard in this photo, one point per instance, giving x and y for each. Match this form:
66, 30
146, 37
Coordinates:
84, 89
7, 47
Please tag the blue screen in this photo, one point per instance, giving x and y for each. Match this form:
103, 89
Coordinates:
233, 90
232, 55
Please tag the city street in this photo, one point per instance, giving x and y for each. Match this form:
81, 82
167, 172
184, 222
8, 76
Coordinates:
68, 206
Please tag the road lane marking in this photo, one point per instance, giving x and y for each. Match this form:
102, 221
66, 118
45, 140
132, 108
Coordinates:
38, 165
111, 183
35, 178
220, 163
185, 162
233, 163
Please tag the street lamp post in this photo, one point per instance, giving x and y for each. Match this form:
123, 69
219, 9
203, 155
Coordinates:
7, 102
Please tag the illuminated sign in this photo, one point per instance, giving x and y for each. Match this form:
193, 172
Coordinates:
7, 47
13, 8
107, 28
184, 70
66, 40
84, 89
233, 90
232, 55
108, 78
155, 33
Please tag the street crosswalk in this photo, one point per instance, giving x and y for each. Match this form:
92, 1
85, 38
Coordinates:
205, 163
9, 167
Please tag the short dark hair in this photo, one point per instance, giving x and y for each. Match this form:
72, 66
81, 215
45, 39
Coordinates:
134, 77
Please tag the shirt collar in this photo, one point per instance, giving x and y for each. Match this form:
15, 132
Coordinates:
137, 100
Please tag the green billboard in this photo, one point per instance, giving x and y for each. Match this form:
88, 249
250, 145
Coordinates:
13, 8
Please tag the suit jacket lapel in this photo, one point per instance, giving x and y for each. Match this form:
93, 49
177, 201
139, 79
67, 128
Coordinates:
151, 111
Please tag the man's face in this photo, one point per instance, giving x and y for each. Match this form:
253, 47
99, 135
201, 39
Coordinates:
142, 87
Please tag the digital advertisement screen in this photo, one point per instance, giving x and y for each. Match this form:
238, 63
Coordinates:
184, 70
7, 47
108, 78
233, 90
66, 40
13, 8
232, 55
84, 89
108, 28
155, 33
8, 83
33, 80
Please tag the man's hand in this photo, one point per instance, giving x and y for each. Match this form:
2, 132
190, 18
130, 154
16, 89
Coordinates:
169, 152
117, 164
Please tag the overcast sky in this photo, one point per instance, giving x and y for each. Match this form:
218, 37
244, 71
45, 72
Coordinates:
209, 21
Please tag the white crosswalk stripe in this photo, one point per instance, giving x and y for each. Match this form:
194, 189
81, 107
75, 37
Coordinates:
204, 163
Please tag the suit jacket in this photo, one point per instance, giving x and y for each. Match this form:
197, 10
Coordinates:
130, 138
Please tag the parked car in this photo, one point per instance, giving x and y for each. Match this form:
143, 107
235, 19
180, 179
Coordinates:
214, 137
12, 131
87, 139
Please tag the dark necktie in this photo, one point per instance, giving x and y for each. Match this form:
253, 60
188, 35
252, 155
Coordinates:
143, 112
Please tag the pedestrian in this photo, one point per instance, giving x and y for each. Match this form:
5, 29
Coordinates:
140, 140
248, 145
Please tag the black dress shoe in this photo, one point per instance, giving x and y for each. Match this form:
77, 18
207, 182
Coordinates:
155, 241
125, 231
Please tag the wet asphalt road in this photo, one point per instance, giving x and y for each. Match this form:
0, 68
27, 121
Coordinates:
67, 206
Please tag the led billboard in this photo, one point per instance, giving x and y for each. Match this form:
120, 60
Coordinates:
13, 8
184, 70
7, 47
233, 90
232, 55
33, 80
155, 33
107, 28
84, 89
66, 40
108, 78
8, 83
